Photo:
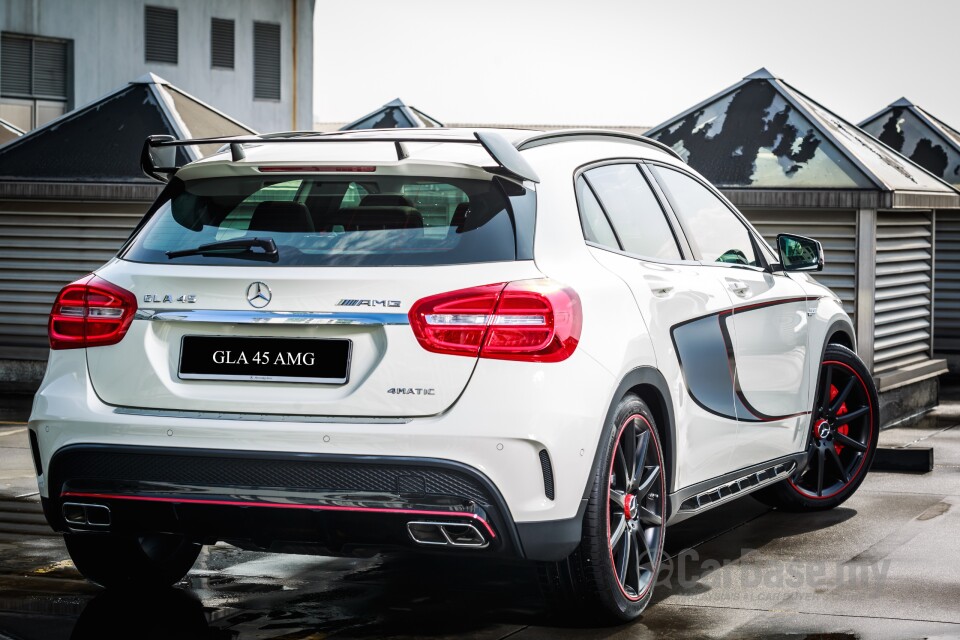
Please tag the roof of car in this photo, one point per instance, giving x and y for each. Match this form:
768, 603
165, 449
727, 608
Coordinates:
425, 144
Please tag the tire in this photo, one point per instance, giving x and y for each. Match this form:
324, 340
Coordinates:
116, 561
844, 430
624, 520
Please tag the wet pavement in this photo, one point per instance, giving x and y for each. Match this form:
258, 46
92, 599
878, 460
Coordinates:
883, 565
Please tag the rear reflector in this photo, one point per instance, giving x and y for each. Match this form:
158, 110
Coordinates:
90, 312
529, 320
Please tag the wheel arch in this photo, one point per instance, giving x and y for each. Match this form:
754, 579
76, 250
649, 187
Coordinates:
840, 333
651, 387
556, 539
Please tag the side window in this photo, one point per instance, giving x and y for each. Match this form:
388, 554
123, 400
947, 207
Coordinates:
719, 234
635, 213
596, 228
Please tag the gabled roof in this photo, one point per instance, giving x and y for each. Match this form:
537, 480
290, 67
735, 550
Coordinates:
762, 133
394, 115
8, 132
101, 141
926, 140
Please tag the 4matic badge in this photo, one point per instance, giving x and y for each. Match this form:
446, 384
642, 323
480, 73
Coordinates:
412, 391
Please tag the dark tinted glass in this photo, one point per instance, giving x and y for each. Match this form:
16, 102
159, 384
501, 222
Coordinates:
637, 218
596, 228
713, 227
381, 220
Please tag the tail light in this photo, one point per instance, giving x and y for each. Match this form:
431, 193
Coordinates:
530, 320
90, 312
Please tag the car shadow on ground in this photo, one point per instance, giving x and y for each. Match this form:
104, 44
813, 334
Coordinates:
425, 596
692, 557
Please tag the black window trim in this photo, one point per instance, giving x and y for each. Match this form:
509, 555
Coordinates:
696, 252
683, 246
603, 210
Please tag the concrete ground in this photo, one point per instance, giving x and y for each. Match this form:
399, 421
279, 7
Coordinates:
884, 565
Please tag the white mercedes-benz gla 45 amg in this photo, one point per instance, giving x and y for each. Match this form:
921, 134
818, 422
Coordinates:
545, 346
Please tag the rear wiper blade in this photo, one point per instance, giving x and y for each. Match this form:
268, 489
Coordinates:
242, 244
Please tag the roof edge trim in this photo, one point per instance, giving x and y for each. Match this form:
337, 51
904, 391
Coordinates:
550, 137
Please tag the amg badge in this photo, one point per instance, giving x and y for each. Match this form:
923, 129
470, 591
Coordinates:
352, 302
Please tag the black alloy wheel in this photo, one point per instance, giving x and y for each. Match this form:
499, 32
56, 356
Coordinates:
842, 429
635, 510
611, 575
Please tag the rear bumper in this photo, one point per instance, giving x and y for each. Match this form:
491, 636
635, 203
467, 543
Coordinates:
336, 505
499, 428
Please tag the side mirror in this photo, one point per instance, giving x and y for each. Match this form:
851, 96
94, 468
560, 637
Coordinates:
798, 253
159, 163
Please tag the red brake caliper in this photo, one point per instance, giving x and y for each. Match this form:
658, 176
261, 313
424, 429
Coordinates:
844, 429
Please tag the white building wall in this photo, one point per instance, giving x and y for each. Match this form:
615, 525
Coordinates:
108, 51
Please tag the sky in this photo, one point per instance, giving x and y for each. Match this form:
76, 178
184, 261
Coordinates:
620, 62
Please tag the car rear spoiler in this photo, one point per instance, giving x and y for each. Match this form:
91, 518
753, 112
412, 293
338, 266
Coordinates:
159, 156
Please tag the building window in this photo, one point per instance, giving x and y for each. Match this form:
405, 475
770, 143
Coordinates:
221, 43
34, 79
266, 60
160, 35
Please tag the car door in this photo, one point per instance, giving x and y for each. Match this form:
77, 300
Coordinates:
630, 234
765, 331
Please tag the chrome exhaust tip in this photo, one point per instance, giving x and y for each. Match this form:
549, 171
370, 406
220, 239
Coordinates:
446, 534
78, 514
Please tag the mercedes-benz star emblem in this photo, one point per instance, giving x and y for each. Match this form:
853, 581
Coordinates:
823, 430
258, 295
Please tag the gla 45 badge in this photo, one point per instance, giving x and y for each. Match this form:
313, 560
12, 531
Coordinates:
169, 298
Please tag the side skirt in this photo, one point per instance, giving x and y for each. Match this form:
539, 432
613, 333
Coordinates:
703, 496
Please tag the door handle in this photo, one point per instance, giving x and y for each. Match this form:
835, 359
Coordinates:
738, 287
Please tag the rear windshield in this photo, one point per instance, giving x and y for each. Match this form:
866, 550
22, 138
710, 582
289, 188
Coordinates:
333, 221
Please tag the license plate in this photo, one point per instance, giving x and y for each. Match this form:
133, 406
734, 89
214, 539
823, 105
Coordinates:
322, 361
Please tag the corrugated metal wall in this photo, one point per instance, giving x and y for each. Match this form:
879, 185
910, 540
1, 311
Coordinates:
45, 245
836, 230
903, 296
946, 305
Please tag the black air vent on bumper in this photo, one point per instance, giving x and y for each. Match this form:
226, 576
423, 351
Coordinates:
547, 469
35, 451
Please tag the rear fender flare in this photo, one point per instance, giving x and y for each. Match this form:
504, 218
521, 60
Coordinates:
639, 377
